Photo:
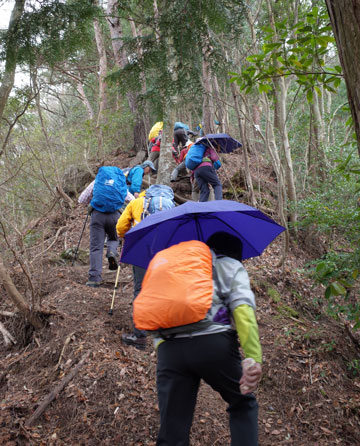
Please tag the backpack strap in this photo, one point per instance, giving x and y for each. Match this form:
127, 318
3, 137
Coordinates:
127, 175
145, 211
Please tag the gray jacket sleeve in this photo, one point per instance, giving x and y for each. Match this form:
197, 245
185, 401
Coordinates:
234, 283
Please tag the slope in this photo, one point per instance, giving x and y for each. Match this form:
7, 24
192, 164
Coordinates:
309, 394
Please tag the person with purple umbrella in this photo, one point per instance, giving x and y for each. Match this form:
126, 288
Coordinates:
205, 175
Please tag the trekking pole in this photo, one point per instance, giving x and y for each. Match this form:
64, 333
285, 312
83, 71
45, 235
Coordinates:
115, 288
77, 248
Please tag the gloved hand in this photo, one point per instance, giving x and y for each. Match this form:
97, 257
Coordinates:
217, 164
89, 209
251, 376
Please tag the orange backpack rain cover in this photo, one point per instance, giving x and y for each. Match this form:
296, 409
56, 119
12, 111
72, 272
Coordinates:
177, 288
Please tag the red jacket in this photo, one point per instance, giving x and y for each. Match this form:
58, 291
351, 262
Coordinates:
156, 145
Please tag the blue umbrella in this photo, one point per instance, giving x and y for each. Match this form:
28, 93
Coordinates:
221, 141
198, 221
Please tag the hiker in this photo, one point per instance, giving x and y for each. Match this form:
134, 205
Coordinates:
180, 169
155, 149
157, 197
105, 195
135, 175
181, 134
205, 174
153, 134
209, 350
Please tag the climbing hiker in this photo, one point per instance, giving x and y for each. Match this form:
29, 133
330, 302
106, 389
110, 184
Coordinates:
157, 197
204, 161
181, 134
155, 149
184, 284
105, 195
134, 177
181, 169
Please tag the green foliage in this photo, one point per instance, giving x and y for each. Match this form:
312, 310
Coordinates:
274, 294
335, 212
170, 63
51, 32
302, 55
354, 367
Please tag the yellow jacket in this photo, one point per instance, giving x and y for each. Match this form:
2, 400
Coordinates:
130, 217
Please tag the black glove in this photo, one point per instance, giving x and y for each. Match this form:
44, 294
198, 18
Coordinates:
89, 209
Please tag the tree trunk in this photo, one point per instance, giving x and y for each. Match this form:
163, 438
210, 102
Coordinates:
85, 100
166, 162
102, 85
280, 92
208, 108
318, 137
49, 144
7, 81
273, 150
140, 134
345, 20
250, 187
18, 299
220, 111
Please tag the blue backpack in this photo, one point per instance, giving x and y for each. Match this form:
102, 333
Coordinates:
158, 197
109, 189
195, 156
181, 125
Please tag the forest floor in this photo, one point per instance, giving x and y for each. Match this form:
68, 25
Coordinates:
309, 394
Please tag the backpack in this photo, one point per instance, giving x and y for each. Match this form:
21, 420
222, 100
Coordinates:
177, 290
110, 189
181, 125
158, 197
194, 156
155, 129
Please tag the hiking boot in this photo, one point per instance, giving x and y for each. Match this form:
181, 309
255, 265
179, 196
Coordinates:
93, 284
131, 339
113, 264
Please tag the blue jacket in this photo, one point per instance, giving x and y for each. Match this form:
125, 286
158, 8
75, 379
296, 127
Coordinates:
134, 179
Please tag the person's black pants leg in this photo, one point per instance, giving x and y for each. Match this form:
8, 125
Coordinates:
182, 363
206, 175
177, 391
223, 372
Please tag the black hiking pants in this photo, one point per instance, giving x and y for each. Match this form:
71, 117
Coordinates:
180, 137
204, 176
182, 363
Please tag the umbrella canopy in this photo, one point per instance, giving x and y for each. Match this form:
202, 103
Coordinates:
198, 221
221, 141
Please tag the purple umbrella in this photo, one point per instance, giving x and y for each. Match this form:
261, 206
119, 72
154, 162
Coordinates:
198, 221
221, 141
